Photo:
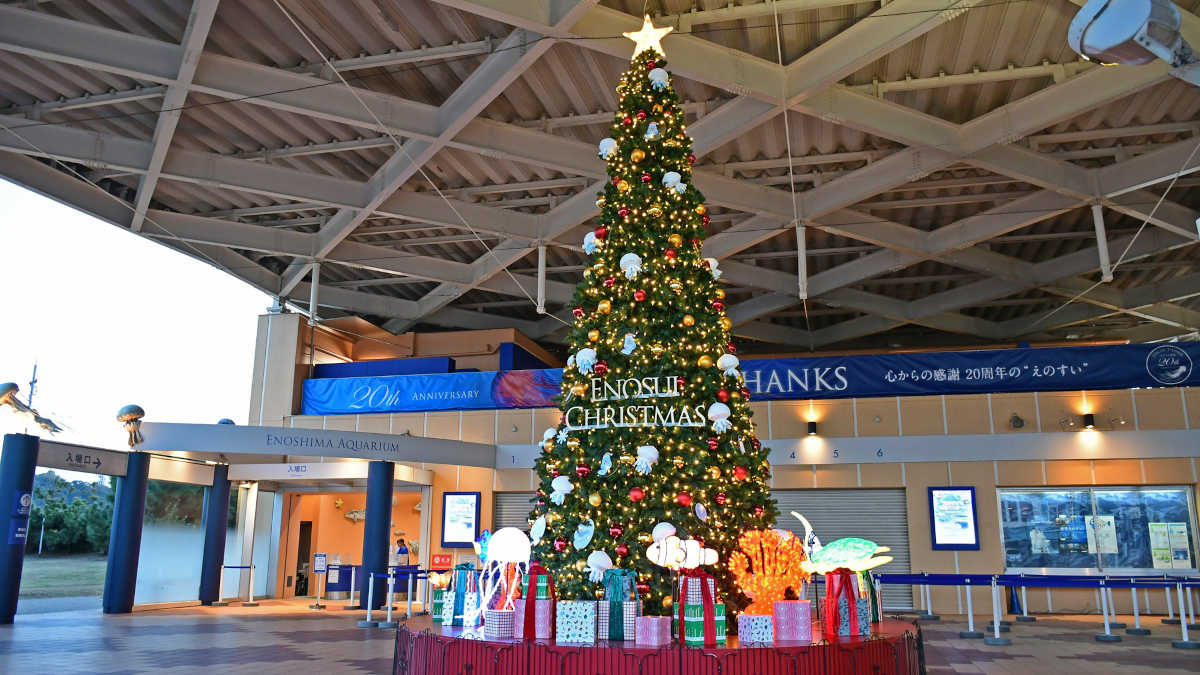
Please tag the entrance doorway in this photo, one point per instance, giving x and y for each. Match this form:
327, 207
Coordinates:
303, 555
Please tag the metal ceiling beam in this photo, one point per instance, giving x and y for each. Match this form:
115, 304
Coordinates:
397, 57
194, 36
684, 21
36, 110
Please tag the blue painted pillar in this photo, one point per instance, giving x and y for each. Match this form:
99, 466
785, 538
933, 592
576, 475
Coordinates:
17, 464
376, 530
216, 513
125, 539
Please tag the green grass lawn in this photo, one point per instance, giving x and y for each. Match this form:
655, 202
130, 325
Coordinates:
62, 576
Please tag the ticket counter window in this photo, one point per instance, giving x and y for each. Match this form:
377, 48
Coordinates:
1114, 530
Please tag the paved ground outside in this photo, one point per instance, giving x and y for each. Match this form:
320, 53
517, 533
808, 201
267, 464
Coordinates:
286, 637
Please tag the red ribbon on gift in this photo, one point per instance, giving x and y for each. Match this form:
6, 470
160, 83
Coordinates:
536, 570
706, 599
838, 583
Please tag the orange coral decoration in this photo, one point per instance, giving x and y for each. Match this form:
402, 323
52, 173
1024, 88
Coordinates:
775, 558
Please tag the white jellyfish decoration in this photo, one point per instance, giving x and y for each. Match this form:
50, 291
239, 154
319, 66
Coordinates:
662, 531
583, 534
647, 456
571, 361
562, 487
631, 265
508, 553
701, 512
629, 345
590, 242
729, 364
651, 131
658, 79
605, 464
537, 529
671, 179
712, 267
584, 360
718, 414
597, 563
548, 434
607, 147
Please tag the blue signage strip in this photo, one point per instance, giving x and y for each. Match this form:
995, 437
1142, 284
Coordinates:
973, 372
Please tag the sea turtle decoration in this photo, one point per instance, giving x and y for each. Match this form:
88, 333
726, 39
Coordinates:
852, 553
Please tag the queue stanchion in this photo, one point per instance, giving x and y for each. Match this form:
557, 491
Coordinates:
368, 623
1137, 618
1107, 635
1191, 611
1112, 609
1170, 620
408, 595
1183, 642
996, 640
320, 585
352, 605
391, 581
1024, 615
220, 590
250, 591
970, 633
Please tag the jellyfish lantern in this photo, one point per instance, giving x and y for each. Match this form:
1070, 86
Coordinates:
507, 559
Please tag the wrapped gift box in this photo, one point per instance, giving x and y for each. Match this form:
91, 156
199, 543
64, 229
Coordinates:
498, 624
541, 587
458, 616
793, 620
623, 629
461, 597
755, 629
543, 619
575, 621
439, 596
693, 625
863, 611
841, 588
653, 631
695, 593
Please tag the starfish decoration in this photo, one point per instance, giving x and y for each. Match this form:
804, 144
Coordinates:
648, 37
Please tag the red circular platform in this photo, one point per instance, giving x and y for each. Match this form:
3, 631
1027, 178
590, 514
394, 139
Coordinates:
892, 649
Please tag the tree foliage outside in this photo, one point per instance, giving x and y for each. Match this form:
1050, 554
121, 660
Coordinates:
77, 515
657, 425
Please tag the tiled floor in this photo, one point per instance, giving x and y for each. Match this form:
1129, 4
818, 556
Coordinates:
286, 637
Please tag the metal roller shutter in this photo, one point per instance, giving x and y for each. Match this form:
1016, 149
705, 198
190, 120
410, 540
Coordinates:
512, 510
878, 515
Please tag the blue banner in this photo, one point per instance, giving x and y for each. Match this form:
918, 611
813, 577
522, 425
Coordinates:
973, 372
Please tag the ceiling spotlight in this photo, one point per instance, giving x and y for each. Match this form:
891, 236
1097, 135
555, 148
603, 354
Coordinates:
1089, 421
1117, 421
812, 428
1015, 421
1133, 33
878, 419
1067, 423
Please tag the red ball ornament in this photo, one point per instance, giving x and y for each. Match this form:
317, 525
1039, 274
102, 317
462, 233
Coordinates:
601, 367
641, 114
636, 494
578, 312
740, 472
616, 180
622, 212
758, 510
704, 219
615, 531
745, 392
541, 503
639, 295
691, 159
554, 472
582, 470
723, 396
623, 550
712, 443
680, 382
651, 64
601, 232
683, 499
643, 587
722, 498
646, 178
670, 253
756, 443
608, 283
696, 243
628, 121
731, 348
560, 544
718, 305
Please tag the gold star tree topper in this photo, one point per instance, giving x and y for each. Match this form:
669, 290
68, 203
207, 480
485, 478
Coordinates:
648, 37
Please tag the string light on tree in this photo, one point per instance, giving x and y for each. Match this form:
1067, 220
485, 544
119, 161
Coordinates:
655, 419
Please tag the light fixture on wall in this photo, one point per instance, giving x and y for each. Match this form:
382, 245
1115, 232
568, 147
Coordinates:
812, 428
1117, 422
1089, 421
1016, 421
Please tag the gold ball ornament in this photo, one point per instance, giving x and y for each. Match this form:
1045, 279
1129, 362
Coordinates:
601, 202
676, 286
675, 240
593, 335
726, 323
552, 517
645, 537
604, 307
548, 445
689, 320
679, 462
701, 209
623, 185
594, 499
657, 108
715, 472
656, 349
573, 443
654, 212
705, 361
581, 565
637, 155
579, 389
667, 601
720, 293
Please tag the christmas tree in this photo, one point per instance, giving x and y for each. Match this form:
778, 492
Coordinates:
656, 423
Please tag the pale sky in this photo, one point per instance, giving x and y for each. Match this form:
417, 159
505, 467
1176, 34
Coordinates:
112, 318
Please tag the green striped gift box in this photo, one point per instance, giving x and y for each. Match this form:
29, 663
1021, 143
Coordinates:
439, 595
693, 624
542, 592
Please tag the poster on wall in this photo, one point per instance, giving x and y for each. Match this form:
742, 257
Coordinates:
1181, 552
1101, 534
460, 519
952, 520
1160, 545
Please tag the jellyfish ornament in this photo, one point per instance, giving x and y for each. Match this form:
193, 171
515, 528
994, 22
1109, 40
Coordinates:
647, 455
130, 417
729, 364
597, 563
631, 265
8, 396
629, 345
562, 487
585, 359
712, 267
651, 131
606, 148
658, 79
605, 464
589, 243
671, 179
680, 187
718, 414
508, 552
